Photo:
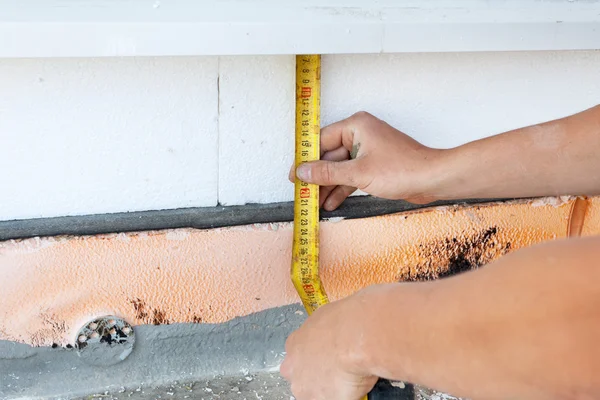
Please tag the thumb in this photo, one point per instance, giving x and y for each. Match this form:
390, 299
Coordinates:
286, 368
330, 173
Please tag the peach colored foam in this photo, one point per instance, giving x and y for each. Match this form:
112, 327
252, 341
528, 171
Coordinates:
52, 286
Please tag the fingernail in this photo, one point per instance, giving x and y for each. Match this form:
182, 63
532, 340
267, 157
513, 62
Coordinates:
303, 173
329, 206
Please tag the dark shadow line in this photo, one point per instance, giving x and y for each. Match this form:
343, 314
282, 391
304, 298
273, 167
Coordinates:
203, 217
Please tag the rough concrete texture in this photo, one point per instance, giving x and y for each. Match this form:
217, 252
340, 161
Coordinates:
162, 355
53, 286
262, 386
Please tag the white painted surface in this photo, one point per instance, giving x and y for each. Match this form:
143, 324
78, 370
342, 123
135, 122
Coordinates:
94, 136
445, 100
67, 28
256, 128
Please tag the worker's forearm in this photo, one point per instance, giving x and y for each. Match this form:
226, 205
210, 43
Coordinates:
524, 327
560, 157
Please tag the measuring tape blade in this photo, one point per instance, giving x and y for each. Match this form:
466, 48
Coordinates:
305, 252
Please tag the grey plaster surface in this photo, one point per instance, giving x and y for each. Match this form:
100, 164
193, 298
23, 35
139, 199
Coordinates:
235, 360
161, 355
202, 218
261, 386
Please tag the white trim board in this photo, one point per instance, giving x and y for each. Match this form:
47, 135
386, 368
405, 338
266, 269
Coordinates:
99, 28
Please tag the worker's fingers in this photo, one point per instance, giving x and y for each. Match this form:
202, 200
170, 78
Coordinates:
337, 197
286, 368
324, 192
338, 134
339, 154
292, 174
330, 173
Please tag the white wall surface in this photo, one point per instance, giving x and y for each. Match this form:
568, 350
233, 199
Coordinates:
82, 136
256, 128
109, 28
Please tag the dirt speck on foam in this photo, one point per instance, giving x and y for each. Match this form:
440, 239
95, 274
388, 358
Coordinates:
28, 246
178, 234
551, 201
334, 219
428, 394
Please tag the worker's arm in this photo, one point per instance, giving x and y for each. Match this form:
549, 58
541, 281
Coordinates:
524, 327
555, 158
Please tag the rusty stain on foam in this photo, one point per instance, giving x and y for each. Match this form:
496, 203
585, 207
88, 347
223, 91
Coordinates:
577, 215
51, 286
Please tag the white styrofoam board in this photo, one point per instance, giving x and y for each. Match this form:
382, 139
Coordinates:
86, 136
93, 28
443, 100
108, 135
256, 128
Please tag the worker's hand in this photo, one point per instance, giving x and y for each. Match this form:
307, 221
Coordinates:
323, 359
366, 153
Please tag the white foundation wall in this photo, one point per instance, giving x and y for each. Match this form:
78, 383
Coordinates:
104, 135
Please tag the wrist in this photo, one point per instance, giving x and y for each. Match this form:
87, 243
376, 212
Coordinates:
448, 175
380, 312
433, 176
399, 326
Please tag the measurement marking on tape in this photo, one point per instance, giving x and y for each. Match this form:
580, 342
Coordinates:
305, 252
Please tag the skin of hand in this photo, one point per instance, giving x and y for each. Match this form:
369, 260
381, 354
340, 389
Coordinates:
523, 327
549, 159
321, 362
366, 153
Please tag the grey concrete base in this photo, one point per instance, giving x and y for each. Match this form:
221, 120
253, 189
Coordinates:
161, 355
235, 360
203, 218
262, 386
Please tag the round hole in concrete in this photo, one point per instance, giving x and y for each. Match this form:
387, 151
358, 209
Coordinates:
105, 341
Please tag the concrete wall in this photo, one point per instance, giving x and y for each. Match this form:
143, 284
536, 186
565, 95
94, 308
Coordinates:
84, 136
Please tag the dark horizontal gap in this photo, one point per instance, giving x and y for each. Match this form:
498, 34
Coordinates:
202, 218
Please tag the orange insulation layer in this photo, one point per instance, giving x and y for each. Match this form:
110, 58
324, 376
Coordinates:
52, 286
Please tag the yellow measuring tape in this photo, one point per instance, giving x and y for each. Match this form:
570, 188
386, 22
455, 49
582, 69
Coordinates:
305, 251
